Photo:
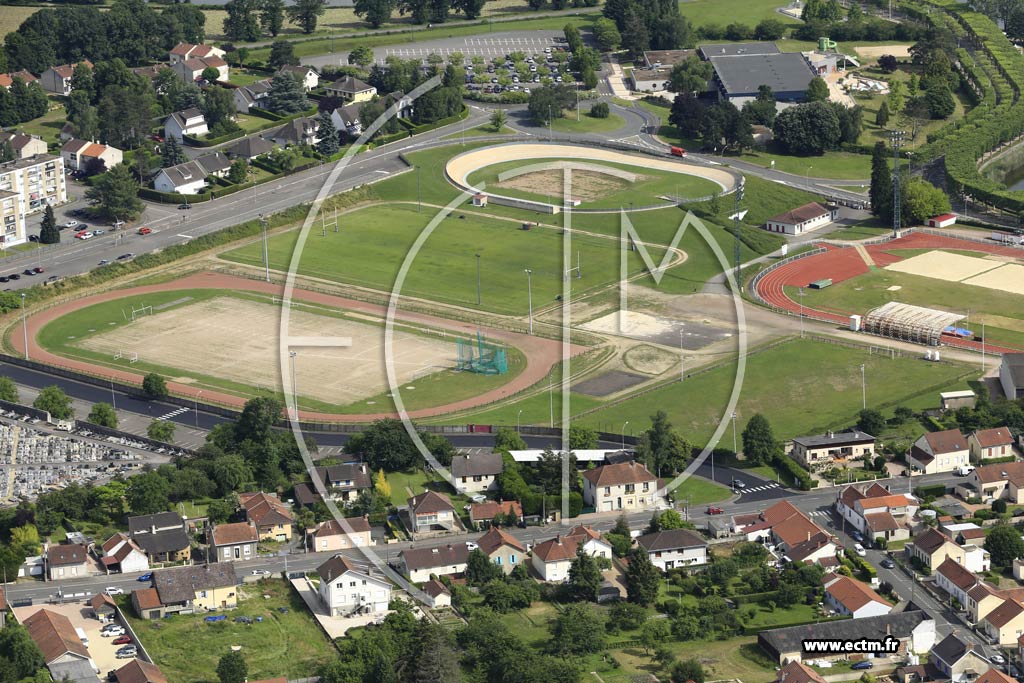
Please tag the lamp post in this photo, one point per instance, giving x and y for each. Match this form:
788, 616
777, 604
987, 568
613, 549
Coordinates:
624, 434
196, 406
983, 346
863, 387
682, 364
735, 443
295, 390
24, 324
478, 279
529, 296
518, 415
266, 257
801, 290
551, 399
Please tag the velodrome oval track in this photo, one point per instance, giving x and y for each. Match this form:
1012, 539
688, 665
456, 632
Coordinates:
459, 167
541, 354
840, 263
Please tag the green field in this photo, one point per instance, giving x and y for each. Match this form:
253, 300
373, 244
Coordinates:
374, 241
802, 387
587, 123
289, 644
649, 186
721, 12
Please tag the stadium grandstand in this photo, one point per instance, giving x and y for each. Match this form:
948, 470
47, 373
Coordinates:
910, 323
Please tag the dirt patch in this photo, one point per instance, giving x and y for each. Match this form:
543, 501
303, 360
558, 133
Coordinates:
875, 51
609, 383
1008, 278
587, 186
689, 334
649, 360
943, 265
204, 338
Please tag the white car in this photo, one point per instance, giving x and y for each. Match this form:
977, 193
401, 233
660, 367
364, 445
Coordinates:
113, 590
70, 224
859, 549
997, 659
112, 631
260, 572
472, 546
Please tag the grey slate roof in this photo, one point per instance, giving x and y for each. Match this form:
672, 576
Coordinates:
738, 49
951, 649
349, 84
169, 537
214, 163
161, 520
179, 584
185, 173
786, 72
477, 465
250, 147
790, 639
672, 539
437, 556
836, 439
183, 116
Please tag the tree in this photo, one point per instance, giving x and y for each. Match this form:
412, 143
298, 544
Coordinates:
580, 437
376, 13
607, 35
578, 630
232, 668
584, 576
653, 633
921, 200
897, 96
210, 74
8, 389
286, 94
161, 430
6, 152
154, 386
808, 128
381, 485
670, 519
271, 16
688, 670
470, 8
759, 444
817, 90
361, 56
881, 181
573, 39
550, 101
103, 414
1005, 545
220, 510
888, 63
882, 117
49, 233
687, 114
242, 21
148, 493
769, 29
662, 448
436, 661
498, 120
871, 422
53, 400
172, 154
690, 76
589, 80
282, 53
305, 13
190, 19
115, 194
329, 142
20, 657
480, 570
642, 578
940, 101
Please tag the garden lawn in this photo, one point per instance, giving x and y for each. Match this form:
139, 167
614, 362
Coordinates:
416, 480
699, 492
49, 124
783, 383
587, 123
288, 644
531, 624
732, 659
837, 165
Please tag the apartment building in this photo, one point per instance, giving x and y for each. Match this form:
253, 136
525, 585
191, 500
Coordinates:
27, 186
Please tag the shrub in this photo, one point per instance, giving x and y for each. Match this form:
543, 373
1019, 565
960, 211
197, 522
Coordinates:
600, 110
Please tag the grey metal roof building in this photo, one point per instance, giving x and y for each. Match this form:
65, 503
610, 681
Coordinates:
787, 643
738, 77
738, 49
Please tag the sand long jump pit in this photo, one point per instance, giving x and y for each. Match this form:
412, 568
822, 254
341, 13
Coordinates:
943, 265
236, 339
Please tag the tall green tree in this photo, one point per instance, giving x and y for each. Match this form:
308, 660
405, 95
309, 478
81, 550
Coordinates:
272, 16
662, 448
282, 53
881, 181
1004, 544
172, 154
329, 140
161, 430
882, 117
498, 119
103, 414
148, 493
306, 13
584, 577
154, 386
20, 657
49, 233
232, 668
470, 8
817, 90
286, 95
53, 400
436, 660
8, 390
759, 443
578, 630
375, 12
242, 21
480, 570
642, 578
690, 76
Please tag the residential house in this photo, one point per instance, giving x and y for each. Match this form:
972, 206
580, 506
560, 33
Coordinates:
139, 671
185, 178
66, 561
23, 146
162, 536
502, 549
252, 96
57, 79
986, 444
593, 543
914, 630
876, 512
1004, 625
122, 554
474, 474
188, 589
957, 660
982, 599
332, 535
7, 79
994, 482
233, 542
343, 482
798, 672
954, 578
431, 511
103, 606
215, 164
624, 486
994, 675
150, 72
822, 451
935, 452
26, 187
346, 119
351, 89
552, 558
186, 122
272, 518
852, 598
932, 547
79, 155
483, 514
419, 564
307, 75
786, 526
191, 70
300, 131
63, 651
438, 594
183, 51
675, 548
249, 148
347, 591
1011, 375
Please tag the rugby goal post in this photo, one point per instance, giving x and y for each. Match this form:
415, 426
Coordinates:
141, 311
134, 358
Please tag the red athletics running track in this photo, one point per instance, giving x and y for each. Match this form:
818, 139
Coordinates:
839, 264
541, 354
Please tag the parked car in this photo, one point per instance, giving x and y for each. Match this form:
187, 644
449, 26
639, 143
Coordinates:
123, 640
148, 576
738, 484
855, 535
103, 262
997, 659
98, 232
14, 276
472, 546
260, 572
111, 627
33, 238
144, 230
115, 630
38, 269
125, 257
861, 666
859, 549
714, 510
127, 652
71, 223
4, 278
113, 590
28, 271
888, 564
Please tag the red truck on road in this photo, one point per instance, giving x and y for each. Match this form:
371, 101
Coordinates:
678, 152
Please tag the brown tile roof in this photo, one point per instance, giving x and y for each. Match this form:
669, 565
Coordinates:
333, 527
853, 594
619, 474
931, 540
801, 551
889, 501
66, 554
68, 70
7, 80
999, 436
430, 502
335, 567
798, 672
947, 441
994, 676
138, 671
484, 511
434, 588
1005, 613
882, 521
850, 495
495, 538
800, 214
556, 549
981, 591
147, 598
261, 509
102, 600
436, 556
182, 49
796, 529
957, 574
55, 635
236, 532
126, 550
114, 541
584, 533
1012, 471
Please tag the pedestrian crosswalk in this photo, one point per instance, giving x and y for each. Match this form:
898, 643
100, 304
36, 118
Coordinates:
820, 513
763, 487
173, 413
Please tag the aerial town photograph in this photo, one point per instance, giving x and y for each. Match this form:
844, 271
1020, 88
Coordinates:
512, 341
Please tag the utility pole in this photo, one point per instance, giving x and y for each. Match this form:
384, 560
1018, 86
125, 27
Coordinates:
529, 296
896, 139
983, 347
266, 256
624, 425
478, 280
295, 390
863, 387
737, 224
113, 401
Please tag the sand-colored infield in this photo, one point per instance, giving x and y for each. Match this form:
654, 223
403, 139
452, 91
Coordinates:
942, 265
867, 51
587, 186
1008, 278
237, 340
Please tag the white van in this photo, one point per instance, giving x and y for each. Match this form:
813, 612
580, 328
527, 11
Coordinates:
82, 636
964, 470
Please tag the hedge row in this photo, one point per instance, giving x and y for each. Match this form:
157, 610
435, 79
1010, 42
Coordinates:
930, 491
424, 127
799, 474
196, 142
754, 598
